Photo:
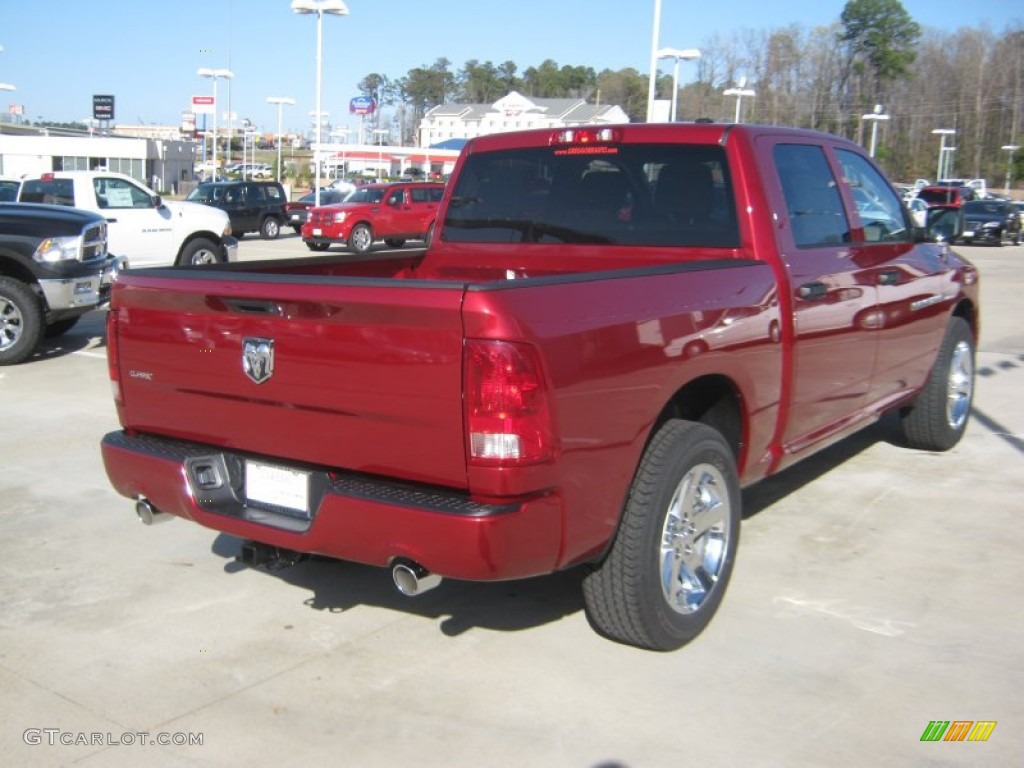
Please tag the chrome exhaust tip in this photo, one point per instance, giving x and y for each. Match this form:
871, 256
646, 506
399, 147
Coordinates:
412, 578
150, 515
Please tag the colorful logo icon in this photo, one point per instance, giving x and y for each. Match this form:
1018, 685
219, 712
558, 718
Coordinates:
958, 730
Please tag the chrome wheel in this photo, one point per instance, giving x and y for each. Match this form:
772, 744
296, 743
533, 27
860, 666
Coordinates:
938, 417
960, 385
12, 324
669, 564
361, 239
695, 539
204, 256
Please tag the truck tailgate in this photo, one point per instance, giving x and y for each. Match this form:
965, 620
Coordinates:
366, 374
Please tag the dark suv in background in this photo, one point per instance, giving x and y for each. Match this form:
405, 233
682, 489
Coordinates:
252, 206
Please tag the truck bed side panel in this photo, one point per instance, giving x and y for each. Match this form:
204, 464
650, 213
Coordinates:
616, 362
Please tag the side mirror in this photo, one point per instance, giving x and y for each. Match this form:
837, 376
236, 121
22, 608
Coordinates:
942, 224
158, 201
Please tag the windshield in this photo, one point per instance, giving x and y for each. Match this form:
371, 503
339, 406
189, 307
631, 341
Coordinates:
366, 195
206, 193
978, 206
642, 195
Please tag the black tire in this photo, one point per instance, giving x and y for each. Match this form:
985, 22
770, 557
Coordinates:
60, 327
361, 238
938, 417
298, 230
270, 228
200, 251
21, 321
664, 577
394, 242
317, 246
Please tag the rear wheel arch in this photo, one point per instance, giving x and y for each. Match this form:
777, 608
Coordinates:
714, 400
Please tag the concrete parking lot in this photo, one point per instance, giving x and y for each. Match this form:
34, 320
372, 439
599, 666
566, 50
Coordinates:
877, 589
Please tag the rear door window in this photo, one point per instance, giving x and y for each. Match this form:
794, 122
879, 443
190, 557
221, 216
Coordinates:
813, 203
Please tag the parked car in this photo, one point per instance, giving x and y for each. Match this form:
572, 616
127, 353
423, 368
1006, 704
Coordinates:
298, 210
141, 226
251, 171
9, 190
942, 195
990, 221
393, 213
918, 210
54, 267
252, 206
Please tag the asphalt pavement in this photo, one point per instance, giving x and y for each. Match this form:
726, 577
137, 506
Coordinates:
877, 589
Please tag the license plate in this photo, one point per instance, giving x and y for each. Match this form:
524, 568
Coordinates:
279, 486
968, 233
317, 232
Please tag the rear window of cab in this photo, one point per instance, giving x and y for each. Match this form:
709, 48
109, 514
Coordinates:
620, 194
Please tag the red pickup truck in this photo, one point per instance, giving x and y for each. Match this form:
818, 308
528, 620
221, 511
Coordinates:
611, 332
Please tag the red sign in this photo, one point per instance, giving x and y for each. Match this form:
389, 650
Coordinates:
203, 105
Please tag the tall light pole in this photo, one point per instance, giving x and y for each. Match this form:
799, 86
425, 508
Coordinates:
942, 133
947, 162
380, 133
280, 101
679, 54
1012, 149
4, 87
874, 117
319, 7
655, 34
214, 74
739, 92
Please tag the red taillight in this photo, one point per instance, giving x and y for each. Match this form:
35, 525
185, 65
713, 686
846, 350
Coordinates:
113, 368
507, 414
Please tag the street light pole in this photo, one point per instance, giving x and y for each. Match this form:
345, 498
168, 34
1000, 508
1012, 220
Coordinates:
4, 87
684, 54
381, 133
874, 117
319, 7
739, 92
214, 74
280, 101
1012, 149
942, 133
655, 34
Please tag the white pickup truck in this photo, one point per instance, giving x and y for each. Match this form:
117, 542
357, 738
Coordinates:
142, 227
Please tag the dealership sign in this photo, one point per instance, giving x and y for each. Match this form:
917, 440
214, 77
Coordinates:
203, 105
103, 107
362, 105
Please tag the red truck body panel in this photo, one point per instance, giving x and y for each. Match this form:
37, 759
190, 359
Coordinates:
368, 393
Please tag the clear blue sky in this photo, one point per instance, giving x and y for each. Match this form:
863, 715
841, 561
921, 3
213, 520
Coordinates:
58, 53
